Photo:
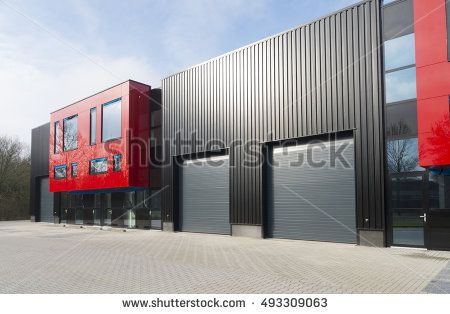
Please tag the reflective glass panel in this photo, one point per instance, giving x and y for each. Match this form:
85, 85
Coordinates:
117, 166
407, 207
74, 169
399, 52
70, 129
401, 120
439, 190
403, 155
111, 120
93, 134
60, 172
401, 85
99, 165
57, 139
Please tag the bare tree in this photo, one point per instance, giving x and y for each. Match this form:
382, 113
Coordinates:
398, 152
14, 179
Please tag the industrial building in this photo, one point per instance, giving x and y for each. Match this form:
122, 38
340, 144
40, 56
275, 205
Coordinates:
336, 130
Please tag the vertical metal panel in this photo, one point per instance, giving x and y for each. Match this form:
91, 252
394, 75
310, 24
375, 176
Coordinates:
322, 77
40, 149
46, 201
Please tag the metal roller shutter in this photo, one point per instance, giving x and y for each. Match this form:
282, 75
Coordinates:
46, 201
313, 203
205, 195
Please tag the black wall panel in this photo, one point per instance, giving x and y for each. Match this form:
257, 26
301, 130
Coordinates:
323, 77
39, 164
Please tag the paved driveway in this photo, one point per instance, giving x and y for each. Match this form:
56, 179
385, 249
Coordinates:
45, 258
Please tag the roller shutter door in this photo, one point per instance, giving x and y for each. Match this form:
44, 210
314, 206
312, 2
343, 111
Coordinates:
46, 201
205, 195
310, 202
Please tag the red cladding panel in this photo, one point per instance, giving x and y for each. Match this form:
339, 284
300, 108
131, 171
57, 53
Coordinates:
433, 82
135, 121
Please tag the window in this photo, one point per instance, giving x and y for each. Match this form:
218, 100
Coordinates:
117, 165
111, 120
70, 126
398, 19
403, 155
93, 125
399, 52
401, 85
60, 172
439, 189
401, 119
99, 165
57, 139
74, 169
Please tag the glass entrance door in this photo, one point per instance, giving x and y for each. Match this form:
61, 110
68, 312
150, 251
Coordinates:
407, 209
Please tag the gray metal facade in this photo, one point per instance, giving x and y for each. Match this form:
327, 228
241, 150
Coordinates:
39, 165
320, 78
313, 202
45, 201
205, 195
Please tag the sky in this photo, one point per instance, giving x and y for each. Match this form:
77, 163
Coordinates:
53, 53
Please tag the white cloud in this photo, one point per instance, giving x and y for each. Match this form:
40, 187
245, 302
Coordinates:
39, 74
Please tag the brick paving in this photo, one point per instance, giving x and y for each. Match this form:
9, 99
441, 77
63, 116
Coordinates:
46, 258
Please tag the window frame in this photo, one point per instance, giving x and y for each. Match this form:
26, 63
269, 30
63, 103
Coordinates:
115, 157
387, 54
98, 159
74, 165
93, 122
109, 103
388, 89
60, 167
56, 137
64, 129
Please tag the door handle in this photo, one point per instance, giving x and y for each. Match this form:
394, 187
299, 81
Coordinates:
424, 217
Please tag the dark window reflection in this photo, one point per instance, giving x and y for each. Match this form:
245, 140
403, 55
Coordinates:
439, 191
406, 207
133, 209
401, 120
406, 192
398, 19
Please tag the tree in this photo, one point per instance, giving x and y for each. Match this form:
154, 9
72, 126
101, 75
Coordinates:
401, 156
14, 179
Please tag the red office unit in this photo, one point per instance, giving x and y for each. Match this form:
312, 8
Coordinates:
433, 82
91, 159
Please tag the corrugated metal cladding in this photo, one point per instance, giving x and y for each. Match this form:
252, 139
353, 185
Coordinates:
39, 165
322, 77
